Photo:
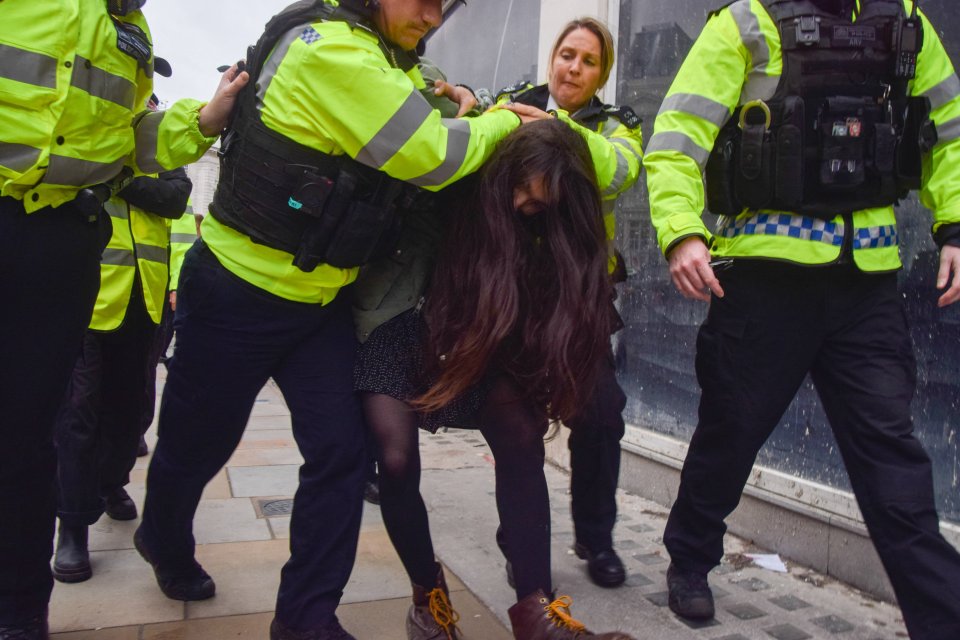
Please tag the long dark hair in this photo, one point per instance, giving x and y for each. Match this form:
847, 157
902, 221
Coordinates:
529, 295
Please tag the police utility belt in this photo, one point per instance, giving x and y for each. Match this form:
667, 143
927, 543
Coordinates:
813, 148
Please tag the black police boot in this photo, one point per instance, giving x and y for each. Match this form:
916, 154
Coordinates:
142, 448
72, 560
332, 631
690, 595
119, 505
192, 583
605, 567
33, 629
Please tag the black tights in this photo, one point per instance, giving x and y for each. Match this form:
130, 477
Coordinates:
514, 431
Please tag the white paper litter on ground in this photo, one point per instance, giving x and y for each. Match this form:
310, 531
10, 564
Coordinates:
769, 561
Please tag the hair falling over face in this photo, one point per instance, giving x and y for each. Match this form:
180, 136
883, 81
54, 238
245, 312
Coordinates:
526, 292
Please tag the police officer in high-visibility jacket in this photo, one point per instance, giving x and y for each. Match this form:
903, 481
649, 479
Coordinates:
326, 145
98, 427
809, 119
73, 78
580, 63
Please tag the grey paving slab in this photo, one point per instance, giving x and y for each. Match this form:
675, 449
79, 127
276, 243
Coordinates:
274, 480
233, 520
247, 576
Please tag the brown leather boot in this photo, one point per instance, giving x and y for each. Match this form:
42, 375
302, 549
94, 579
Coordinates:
431, 617
536, 617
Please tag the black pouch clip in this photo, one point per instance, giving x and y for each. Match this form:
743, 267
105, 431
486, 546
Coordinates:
311, 192
753, 179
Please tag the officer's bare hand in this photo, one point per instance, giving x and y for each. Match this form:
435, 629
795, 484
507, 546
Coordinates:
173, 300
215, 114
691, 272
461, 95
526, 112
949, 274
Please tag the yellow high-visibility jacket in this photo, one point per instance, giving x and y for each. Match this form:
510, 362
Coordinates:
183, 233
330, 87
737, 58
138, 245
72, 104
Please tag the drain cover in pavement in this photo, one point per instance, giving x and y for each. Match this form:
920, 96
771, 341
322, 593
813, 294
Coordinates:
271, 508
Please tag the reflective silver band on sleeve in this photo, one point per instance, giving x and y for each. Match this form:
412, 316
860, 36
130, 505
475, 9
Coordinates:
680, 142
18, 157
396, 131
750, 33
458, 143
147, 135
944, 92
622, 171
183, 238
118, 257
103, 84
759, 85
152, 253
699, 106
74, 172
948, 131
116, 210
28, 67
270, 67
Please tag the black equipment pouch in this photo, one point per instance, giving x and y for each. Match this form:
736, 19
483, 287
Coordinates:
89, 201
721, 168
753, 180
788, 162
358, 222
847, 129
919, 137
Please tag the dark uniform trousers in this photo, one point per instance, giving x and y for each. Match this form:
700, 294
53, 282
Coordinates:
231, 338
595, 461
49, 276
98, 427
847, 329
162, 338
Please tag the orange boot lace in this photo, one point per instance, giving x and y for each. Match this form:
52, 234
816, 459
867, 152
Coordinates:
559, 612
443, 613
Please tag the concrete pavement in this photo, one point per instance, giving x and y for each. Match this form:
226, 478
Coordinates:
242, 530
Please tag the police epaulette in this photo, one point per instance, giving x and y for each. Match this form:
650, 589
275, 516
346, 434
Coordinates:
624, 114
513, 88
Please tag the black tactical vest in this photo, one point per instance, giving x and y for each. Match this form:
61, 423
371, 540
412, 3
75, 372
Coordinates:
840, 133
285, 195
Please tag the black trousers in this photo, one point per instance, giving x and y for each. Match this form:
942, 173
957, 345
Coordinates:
847, 329
595, 461
98, 427
49, 275
231, 338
